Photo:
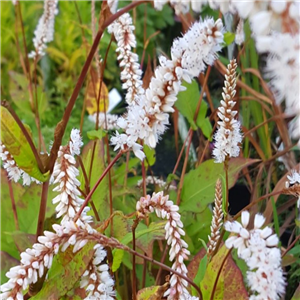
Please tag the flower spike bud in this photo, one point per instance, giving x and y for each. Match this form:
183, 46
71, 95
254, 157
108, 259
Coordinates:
228, 136
123, 31
44, 32
217, 220
165, 209
65, 175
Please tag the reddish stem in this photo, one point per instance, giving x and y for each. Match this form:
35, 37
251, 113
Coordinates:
13, 203
184, 168
88, 197
42, 213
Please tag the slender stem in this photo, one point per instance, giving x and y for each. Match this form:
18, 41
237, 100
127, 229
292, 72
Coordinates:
144, 273
144, 179
181, 152
255, 202
162, 261
86, 180
88, 197
202, 93
13, 203
61, 126
111, 209
227, 185
26, 56
184, 168
155, 262
290, 246
42, 213
134, 226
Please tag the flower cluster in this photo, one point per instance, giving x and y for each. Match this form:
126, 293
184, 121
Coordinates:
282, 68
165, 209
148, 119
181, 6
123, 29
65, 176
228, 136
217, 220
113, 5
45, 29
105, 121
258, 248
13, 171
156, 181
97, 279
36, 261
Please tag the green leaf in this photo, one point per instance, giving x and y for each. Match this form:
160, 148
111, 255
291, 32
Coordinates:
27, 200
154, 231
187, 104
118, 255
150, 156
66, 270
96, 134
224, 271
199, 184
229, 37
17, 145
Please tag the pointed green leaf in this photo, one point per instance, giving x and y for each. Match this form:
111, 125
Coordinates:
118, 255
187, 104
150, 156
199, 184
17, 145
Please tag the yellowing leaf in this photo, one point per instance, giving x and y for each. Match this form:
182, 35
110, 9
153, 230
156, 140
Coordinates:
224, 278
92, 96
16, 143
66, 270
152, 292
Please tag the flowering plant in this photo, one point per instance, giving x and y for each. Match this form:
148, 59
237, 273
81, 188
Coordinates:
91, 208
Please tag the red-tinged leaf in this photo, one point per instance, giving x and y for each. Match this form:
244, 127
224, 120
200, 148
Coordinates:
23, 240
223, 272
66, 270
199, 184
194, 264
7, 262
27, 200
